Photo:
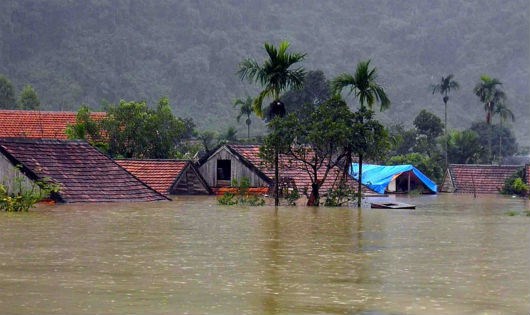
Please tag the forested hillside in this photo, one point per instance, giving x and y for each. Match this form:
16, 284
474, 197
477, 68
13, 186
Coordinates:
75, 52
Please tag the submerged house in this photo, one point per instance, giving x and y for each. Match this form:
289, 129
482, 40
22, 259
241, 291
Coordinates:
394, 178
237, 161
168, 177
38, 124
83, 173
478, 179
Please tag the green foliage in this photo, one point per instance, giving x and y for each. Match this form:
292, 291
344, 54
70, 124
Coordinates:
515, 185
275, 75
316, 90
86, 128
29, 99
431, 167
313, 141
245, 109
363, 84
503, 142
340, 196
76, 52
134, 130
291, 196
368, 137
228, 199
241, 196
7, 94
464, 147
428, 124
21, 198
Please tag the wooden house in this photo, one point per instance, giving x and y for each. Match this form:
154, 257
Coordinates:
478, 179
38, 124
168, 177
82, 172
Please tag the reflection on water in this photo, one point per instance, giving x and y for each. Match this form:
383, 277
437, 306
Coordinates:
452, 255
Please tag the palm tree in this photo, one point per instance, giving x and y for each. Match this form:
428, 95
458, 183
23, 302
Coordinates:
504, 113
363, 83
490, 94
445, 86
245, 109
275, 75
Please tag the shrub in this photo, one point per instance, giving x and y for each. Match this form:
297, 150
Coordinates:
514, 185
339, 196
22, 198
242, 196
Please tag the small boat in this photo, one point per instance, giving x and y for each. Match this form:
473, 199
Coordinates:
392, 205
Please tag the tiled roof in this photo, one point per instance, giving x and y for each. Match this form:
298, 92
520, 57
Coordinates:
290, 168
84, 173
480, 179
159, 174
38, 124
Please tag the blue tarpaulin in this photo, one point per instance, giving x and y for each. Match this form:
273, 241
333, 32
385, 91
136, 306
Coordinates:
377, 177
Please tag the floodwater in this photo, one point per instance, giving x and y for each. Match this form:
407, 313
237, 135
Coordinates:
452, 255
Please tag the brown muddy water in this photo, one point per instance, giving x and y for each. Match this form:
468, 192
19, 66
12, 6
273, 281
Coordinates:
452, 255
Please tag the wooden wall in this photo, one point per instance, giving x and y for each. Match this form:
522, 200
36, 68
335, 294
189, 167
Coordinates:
9, 175
238, 170
190, 183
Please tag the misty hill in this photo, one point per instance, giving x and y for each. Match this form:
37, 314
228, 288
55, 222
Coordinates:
76, 52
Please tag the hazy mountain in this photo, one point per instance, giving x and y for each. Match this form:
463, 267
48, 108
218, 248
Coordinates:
76, 52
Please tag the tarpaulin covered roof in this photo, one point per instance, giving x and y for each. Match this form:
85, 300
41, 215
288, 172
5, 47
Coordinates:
377, 177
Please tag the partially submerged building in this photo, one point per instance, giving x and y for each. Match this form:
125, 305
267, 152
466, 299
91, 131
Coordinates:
394, 178
38, 124
237, 161
83, 173
168, 177
475, 178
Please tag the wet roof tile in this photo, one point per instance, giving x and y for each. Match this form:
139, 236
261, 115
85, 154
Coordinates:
84, 173
38, 124
158, 174
480, 179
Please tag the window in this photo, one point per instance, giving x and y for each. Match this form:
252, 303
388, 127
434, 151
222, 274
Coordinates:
224, 170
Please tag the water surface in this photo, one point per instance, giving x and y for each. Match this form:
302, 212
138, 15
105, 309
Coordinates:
452, 255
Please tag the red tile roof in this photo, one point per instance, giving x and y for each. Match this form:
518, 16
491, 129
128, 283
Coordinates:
38, 124
159, 174
290, 169
84, 173
480, 179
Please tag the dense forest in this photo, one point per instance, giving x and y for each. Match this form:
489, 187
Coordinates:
94, 51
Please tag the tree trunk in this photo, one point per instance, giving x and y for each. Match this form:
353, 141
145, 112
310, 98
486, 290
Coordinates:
359, 187
276, 179
500, 143
314, 197
445, 133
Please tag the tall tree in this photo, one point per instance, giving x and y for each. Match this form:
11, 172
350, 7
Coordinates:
504, 113
489, 92
7, 94
245, 109
363, 84
444, 87
277, 74
29, 99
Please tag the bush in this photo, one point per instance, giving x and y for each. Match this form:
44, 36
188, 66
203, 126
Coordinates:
340, 196
22, 198
242, 196
515, 185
